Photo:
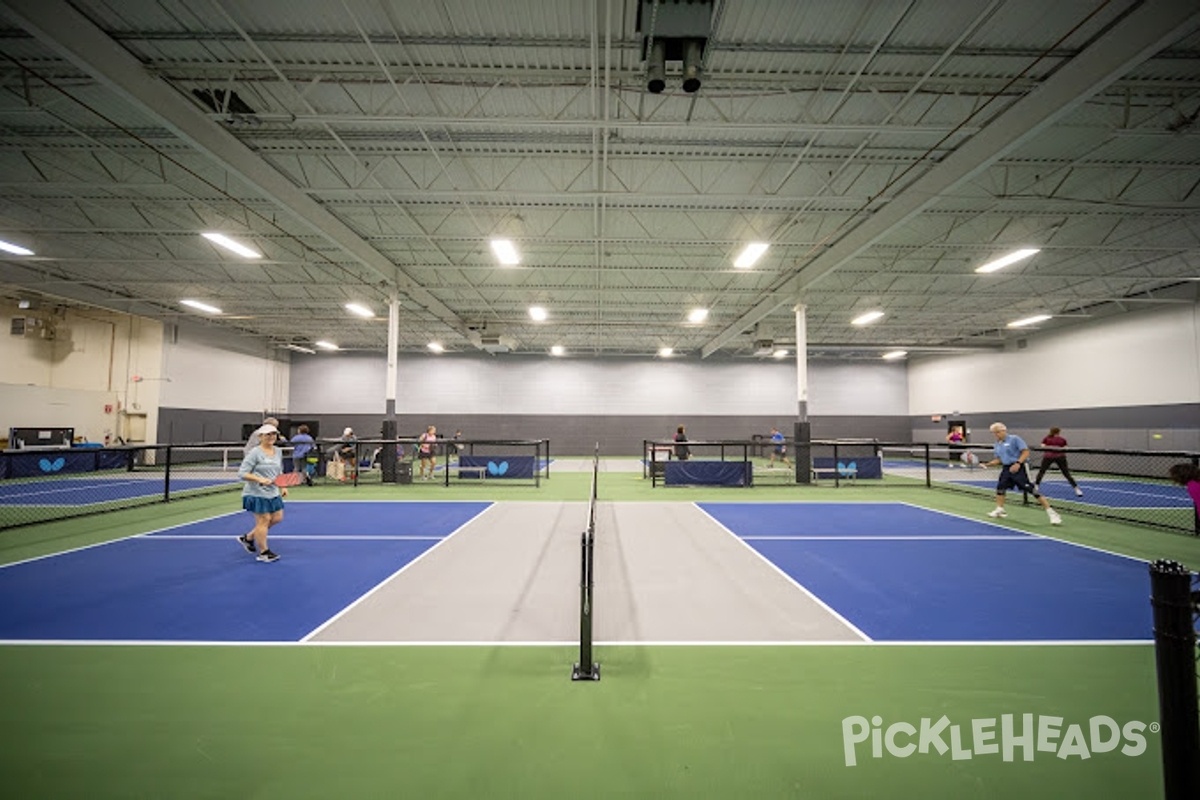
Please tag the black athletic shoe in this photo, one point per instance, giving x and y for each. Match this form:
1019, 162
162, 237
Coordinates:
247, 543
267, 556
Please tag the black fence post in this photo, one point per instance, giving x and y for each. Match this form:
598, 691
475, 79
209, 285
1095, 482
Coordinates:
802, 438
1174, 605
387, 456
167, 477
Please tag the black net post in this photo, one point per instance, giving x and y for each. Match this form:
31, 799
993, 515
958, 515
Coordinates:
586, 669
1175, 656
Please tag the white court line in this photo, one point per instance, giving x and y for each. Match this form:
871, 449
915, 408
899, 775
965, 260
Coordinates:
114, 541
389, 578
788, 578
1028, 533
237, 512
100, 485
321, 537
1099, 486
575, 643
1019, 537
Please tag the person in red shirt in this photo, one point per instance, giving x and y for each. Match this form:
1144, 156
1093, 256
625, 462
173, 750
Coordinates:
1055, 458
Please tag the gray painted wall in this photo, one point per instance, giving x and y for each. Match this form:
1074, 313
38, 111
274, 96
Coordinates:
1139, 374
458, 384
568, 435
1166, 427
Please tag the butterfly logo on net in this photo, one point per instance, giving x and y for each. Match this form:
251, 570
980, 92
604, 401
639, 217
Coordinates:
847, 470
52, 466
497, 469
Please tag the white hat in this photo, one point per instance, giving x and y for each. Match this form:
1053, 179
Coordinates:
265, 429
348, 432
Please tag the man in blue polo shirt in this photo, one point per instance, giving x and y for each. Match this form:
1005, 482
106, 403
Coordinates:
1011, 455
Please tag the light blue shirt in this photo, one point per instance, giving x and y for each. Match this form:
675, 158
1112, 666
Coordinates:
303, 443
264, 466
1008, 449
777, 437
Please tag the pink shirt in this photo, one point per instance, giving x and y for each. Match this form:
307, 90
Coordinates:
1193, 489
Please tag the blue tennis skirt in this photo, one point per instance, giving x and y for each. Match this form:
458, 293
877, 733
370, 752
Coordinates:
262, 505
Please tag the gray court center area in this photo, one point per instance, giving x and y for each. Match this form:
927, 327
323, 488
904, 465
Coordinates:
664, 572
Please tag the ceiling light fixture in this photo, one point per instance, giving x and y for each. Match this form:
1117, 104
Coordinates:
1011, 258
666, 352
895, 354
697, 315
299, 349
780, 353
229, 244
1034, 320
505, 251
867, 318
538, 314
15, 249
750, 255
196, 304
558, 350
436, 347
360, 310
324, 345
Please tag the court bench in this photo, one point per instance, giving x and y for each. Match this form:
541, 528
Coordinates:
477, 471
832, 473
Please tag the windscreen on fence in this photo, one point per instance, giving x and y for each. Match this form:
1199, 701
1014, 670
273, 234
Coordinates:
1119, 485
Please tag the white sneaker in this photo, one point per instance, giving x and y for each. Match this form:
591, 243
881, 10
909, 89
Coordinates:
1055, 519
1078, 492
997, 512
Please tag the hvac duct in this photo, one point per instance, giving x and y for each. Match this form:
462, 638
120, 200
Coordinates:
656, 68
693, 53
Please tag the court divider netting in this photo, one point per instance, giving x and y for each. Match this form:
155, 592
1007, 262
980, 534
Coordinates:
43, 485
1117, 485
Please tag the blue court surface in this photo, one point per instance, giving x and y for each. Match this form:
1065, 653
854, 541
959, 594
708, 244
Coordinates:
903, 573
86, 491
1106, 493
195, 583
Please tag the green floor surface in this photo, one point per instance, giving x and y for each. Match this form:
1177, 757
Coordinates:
507, 722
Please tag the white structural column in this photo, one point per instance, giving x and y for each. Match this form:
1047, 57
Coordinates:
392, 347
801, 362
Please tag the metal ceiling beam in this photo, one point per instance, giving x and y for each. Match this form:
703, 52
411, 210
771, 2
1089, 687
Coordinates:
1144, 31
72, 35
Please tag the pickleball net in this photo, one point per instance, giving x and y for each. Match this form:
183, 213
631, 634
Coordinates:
586, 669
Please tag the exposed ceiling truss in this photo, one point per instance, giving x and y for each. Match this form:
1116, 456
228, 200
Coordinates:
371, 151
